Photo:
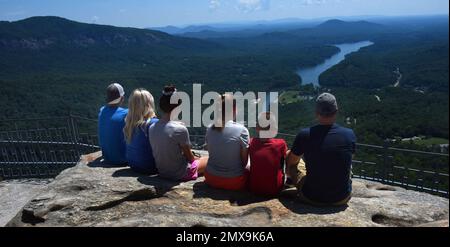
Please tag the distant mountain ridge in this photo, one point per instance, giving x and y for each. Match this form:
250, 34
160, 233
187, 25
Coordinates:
37, 33
354, 25
221, 28
328, 28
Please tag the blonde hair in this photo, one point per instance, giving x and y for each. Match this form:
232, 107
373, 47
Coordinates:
141, 107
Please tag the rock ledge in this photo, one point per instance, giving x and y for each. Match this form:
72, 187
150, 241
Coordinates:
93, 195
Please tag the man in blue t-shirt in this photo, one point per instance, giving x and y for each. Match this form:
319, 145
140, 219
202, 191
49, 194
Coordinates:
327, 150
111, 121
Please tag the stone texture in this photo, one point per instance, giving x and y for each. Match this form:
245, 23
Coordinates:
95, 195
15, 194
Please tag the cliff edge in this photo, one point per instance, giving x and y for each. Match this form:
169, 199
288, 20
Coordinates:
91, 194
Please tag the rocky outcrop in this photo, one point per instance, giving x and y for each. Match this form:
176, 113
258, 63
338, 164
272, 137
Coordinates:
15, 194
92, 194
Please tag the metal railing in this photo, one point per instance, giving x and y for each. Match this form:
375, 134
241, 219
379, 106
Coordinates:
410, 169
43, 147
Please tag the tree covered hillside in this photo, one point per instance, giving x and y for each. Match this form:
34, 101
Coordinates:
50, 65
398, 87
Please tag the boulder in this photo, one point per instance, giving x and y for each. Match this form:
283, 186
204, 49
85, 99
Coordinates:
15, 194
93, 194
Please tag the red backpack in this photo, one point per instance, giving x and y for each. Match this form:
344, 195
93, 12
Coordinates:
267, 166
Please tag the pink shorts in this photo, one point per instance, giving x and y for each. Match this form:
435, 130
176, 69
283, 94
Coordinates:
192, 171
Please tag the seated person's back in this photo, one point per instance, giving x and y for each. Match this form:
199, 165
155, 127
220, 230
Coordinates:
327, 151
111, 121
141, 115
170, 142
267, 164
224, 148
139, 152
227, 143
166, 137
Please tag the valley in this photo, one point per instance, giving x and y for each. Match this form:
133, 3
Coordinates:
51, 66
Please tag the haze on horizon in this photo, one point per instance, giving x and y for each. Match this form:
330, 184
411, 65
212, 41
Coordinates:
153, 13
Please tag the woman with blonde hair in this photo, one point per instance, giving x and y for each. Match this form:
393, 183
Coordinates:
141, 115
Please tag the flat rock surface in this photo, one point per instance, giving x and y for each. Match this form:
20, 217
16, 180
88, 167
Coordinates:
14, 194
92, 194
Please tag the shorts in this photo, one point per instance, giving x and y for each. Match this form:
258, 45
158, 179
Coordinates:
192, 172
304, 199
235, 183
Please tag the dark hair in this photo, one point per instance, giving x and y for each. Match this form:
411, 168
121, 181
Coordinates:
164, 101
223, 106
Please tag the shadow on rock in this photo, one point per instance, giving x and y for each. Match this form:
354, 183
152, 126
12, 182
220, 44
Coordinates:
161, 185
236, 198
101, 163
291, 201
126, 173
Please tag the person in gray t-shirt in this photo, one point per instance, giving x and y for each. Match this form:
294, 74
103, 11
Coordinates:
225, 147
227, 143
166, 138
171, 145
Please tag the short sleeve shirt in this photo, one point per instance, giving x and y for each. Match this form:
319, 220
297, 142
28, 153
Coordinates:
224, 148
111, 121
166, 139
327, 151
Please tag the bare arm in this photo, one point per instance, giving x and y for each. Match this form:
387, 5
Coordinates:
292, 159
188, 153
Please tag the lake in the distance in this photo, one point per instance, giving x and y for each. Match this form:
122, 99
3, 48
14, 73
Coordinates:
311, 75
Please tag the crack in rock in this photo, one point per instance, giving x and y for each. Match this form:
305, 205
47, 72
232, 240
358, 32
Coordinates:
135, 196
381, 187
29, 217
252, 211
393, 221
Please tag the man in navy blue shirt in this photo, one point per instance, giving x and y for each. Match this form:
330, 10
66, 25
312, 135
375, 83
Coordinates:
327, 150
111, 121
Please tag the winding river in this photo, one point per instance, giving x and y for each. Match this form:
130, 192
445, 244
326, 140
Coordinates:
310, 75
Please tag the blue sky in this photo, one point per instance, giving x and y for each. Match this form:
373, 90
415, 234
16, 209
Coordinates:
151, 13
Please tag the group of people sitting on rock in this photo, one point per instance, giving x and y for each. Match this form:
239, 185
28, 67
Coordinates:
148, 145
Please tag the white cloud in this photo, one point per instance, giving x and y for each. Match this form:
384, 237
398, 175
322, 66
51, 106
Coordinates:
247, 6
318, 2
214, 4
95, 19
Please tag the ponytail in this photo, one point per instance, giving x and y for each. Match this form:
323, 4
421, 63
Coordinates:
164, 101
221, 108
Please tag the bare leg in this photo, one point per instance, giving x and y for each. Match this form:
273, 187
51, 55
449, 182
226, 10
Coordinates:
293, 173
202, 162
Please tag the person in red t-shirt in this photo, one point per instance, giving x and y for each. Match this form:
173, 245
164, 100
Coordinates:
267, 156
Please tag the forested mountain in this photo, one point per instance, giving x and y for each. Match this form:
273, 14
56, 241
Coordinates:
236, 29
46, 45
420, 56
50, 66
66, 65
338, 28
38, 33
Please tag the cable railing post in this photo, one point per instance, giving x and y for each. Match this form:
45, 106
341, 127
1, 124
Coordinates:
74, 134
385, 161
436, 178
